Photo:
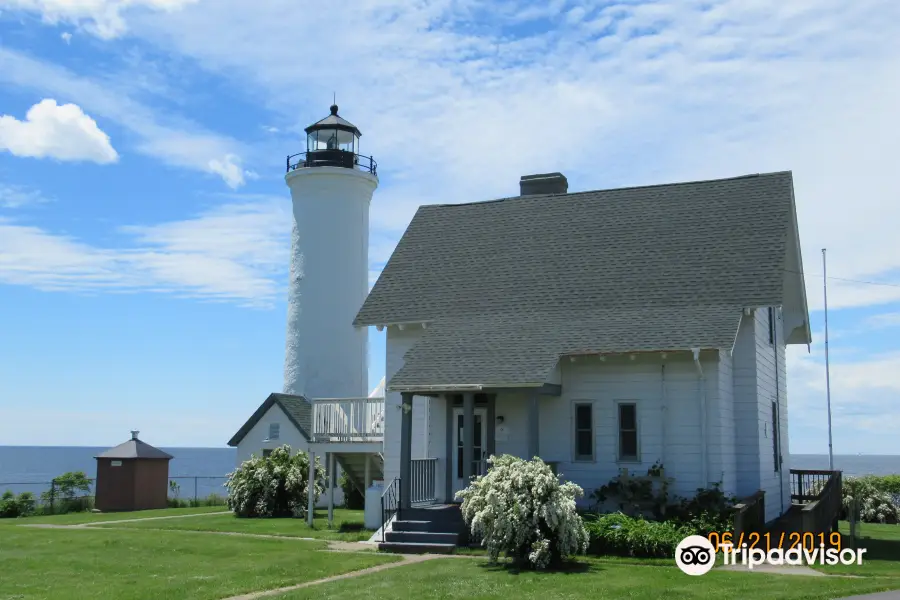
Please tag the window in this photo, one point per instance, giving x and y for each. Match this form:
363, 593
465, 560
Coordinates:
772, 325
584, 431
274, 430
775, 431
266, 452
628, 435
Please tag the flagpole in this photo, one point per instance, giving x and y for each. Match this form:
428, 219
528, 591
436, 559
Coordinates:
827, 370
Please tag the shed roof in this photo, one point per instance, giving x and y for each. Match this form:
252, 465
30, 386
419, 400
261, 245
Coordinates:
135, 448
513, 284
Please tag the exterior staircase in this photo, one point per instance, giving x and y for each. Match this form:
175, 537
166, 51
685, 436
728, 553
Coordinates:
815, 508
435, 529
353, 464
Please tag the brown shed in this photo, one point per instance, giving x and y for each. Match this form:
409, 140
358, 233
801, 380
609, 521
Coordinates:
132, 476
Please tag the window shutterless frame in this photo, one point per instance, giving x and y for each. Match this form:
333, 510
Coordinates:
583, 431
628, 447
274, 431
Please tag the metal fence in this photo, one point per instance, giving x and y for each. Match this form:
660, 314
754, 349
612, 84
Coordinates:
53, 497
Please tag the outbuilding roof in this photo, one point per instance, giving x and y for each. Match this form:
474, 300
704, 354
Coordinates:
508, 286
297, 408
134, 448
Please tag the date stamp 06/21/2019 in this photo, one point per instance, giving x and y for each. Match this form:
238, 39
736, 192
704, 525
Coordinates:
768, 541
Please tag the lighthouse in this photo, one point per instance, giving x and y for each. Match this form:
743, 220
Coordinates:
331, 187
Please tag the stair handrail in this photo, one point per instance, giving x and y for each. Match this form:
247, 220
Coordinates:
390, 504
822, 513
750, 514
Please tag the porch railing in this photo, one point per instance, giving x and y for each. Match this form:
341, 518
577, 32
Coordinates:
806, 485
422, 480
390, 504
348, 420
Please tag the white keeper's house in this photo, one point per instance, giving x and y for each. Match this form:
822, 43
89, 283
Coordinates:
599, 330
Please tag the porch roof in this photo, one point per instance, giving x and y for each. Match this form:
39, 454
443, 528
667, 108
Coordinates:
522, 350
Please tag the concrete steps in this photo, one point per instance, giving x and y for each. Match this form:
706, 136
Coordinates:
433, 530
409, 548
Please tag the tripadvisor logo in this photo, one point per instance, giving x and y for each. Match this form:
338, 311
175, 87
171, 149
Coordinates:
696, 555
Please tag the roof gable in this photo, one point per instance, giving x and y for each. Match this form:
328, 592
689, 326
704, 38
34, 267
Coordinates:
297, 408
720, 242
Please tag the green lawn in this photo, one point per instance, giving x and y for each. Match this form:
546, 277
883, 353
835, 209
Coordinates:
102, 564
92, 517
882, 557
472, 579
348, 525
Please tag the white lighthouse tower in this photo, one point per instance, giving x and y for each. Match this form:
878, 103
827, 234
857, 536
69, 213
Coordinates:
331, 188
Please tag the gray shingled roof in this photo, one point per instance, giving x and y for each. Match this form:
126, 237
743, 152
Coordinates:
511, 285
134, 449
297, 408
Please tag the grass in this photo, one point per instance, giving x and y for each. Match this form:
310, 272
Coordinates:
79, 518
472, 579
348, 525
882, 557
102, 564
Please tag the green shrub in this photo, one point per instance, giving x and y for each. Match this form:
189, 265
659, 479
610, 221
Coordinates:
12, 506
353, 499
874, 504
621, 535
273, 486
521, 509
70, 492
710, 510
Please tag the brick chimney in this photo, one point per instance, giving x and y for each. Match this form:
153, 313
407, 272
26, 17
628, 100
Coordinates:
546, 183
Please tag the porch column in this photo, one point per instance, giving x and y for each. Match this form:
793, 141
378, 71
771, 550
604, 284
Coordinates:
491, 425
468, 435
406, 405
331, 482
368, 479
534, 446
450, 451
311, 489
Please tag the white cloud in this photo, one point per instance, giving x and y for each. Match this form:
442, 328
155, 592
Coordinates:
62, 132
176, 141
237, 252
864, 388
102, 18
640, 92
19, 196
66, 37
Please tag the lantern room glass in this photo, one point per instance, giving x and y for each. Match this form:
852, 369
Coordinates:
332, 139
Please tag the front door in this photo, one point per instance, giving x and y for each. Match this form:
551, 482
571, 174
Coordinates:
479, 450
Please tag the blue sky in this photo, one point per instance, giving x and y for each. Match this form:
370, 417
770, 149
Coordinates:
144, 220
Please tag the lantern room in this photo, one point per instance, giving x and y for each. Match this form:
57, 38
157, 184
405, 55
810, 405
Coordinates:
332, 142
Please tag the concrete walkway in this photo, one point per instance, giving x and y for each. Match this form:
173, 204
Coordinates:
776, 570
407, 559
117, 521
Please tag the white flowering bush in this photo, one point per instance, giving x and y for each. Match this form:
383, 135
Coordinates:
520, 508
274, 486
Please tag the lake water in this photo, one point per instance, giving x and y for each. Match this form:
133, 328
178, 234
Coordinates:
30, 468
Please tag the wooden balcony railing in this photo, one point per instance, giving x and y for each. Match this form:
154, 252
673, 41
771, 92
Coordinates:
348, 420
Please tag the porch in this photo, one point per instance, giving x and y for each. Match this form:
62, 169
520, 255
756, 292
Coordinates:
464, 434
347, 432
